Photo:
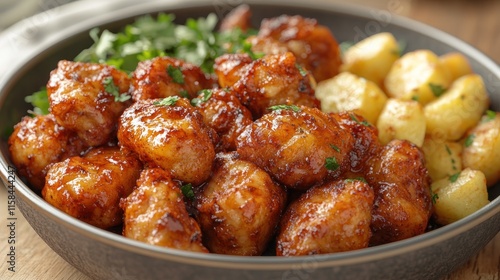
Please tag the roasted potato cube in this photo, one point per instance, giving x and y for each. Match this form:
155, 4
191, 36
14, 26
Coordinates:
459, 196
372, 57
482, 147
442, 158
458, 109
456, 64
401, 119
417, 75
348, 92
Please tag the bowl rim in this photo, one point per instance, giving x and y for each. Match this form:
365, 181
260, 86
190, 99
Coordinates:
131, 8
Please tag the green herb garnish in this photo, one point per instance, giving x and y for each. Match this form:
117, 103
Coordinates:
176, 74
354, 118
167, 101
469, 140
187, 191
335, 148
40, 101
453, 178
356, 179
207, 93
111, 88
489, 116
434, 198
302, 71
294, 108
437, 90
331, 163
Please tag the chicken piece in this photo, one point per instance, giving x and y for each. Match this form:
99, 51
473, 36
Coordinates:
299, 146
38, 142
166, 76
401, 183
239, 207
274, 80
239, 17
89, 188
169, 133
155, 213
88, 98
334, 217
313, 44
228, 68
223, 112
366, 142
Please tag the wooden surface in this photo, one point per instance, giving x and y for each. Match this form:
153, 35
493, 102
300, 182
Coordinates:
476, 22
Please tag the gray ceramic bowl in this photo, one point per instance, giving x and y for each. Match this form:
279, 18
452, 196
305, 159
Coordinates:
39, 42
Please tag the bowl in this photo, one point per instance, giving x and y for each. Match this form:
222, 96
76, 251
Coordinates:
38, 43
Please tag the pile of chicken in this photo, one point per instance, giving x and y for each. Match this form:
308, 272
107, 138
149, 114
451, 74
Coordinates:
241, 162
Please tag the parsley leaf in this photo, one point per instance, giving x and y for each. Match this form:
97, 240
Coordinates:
187, 191
294, 108
167, 101
356, 179
40, 101
434, 198
111, 88
335, 148
436, 89
207, 93
302, 71
355, 119
453, 178
331, 163
176, 74
489, 116
469, 140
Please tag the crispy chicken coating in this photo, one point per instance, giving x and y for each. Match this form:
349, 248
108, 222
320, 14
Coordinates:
229, 68
223, 112
89, 188
334, 217
155, 213
313, 44
166, 76
169, 133
299, 146
402, 192
84, 97
38, 142
239, 208
274, 80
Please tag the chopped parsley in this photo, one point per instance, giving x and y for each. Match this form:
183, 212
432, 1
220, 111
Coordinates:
415, 98
354, 118
187, 191
335, 148
302, 71
448, 150
111, 88
356, 179
436, 89
176, 74
489, 116
167, 101
294, 108
40, 101
434, 198
469, 140
184, 93
453, 178
331, 163
207, 94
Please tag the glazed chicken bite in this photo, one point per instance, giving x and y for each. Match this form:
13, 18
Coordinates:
239, 207
39, 142
334, 217
223, 112
238, 17
89, 188
401, 183
274, 80
229, 68
299, 146
155, 213
167, 76
169, 133
313, 44
88, 98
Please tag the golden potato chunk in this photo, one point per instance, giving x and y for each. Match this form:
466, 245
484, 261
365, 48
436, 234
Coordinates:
442, 158
402, 206
38, 142
348, 92
458, 109
169, 133
90, 188
459, 195
456, 64
482, 147
299, 146
334, 217
239, 208
402, 119
372, 57
155, 213
417, 75
88, 98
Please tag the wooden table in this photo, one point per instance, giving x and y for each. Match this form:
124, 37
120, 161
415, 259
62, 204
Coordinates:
476, 22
